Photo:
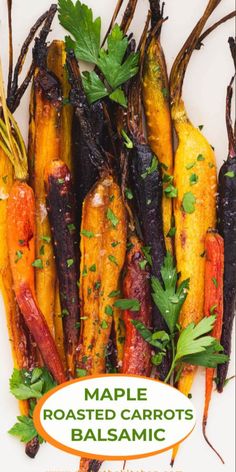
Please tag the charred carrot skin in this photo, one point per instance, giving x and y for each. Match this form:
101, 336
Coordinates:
44, 146
227, 229
60, 205
102, 247
137, 352
155, 91
56, 60
21, 243
213, 302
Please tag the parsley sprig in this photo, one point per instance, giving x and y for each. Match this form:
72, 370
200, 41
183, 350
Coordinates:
195, 345
115, 66
29, 385
169, 297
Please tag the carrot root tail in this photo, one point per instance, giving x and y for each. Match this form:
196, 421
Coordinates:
204, 424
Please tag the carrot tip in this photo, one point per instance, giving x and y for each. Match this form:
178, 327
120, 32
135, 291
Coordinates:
208, 442
172, 462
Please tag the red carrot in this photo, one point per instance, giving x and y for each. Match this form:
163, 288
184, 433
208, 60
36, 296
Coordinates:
21, 243
213, 304
137, 352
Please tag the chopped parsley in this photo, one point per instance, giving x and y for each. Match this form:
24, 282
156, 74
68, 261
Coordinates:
69, 262
112, 218
38, 264
87, 234
188, 202
152, 168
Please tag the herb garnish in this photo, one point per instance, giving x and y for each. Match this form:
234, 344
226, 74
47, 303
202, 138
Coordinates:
112, 218
115, 65
193, 345
128, 304
230, 174
87, 234
29, 385
193, 179
152, 168
127, 141
38, 263
69, 262
19, 255
171, 191
188, 202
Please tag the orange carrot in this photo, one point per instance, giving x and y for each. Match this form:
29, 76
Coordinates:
213, 304
21, 244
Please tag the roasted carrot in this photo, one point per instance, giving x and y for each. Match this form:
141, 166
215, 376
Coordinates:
227, 229
58, 326
16, 332
213, 304
44, 146
21, 241
194, 208
60, 205
23, 346
103, 245
21, 244
155, 90
137, 352
119, 336
146, 184
86, 139
56, 60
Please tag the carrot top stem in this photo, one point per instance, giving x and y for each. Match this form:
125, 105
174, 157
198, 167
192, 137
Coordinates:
227, 17
128, 15
230, 129
135, 121
183, 58
11, 140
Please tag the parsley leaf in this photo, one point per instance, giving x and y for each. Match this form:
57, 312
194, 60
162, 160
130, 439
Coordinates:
193, 179
24, 429
20, 389
31, 384
210, 357
231, 174
171, 191
157, 339
170, 298
188, 202
38, 263
78, 20
110, 61
200, 157
93, 87
112, 218
115, 66
81, 372
192, 339
152, 168
87, 234
118, 96
127, 141
19, 255
113, 259
128, 304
